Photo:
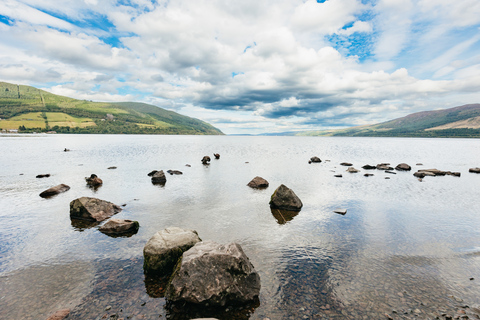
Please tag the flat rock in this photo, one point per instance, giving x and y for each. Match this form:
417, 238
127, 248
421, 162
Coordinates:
159, 177
59, 315
368, 174
176, 172
215, 275
163, 250
346, 164
119, 226
337, 175
369, 167
474, 170
112, 168
391, 172
92, 209
285, 199
258, 183
340, 211
46, 175
352, 170
54, 190
384, 166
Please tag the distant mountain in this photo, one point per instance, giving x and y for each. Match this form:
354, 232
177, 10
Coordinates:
463, 121
30, 109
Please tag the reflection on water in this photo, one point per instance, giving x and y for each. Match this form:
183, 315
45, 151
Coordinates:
406, 248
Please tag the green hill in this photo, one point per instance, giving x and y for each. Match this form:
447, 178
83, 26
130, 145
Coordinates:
463, 121
30, 109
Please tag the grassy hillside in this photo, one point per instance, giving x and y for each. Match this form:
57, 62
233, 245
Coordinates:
459, 122
31, 109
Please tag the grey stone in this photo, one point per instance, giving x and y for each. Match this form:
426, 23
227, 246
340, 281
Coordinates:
92, 209
119, 226
215, 275
315, 159
257, 183
162, 251
285, 199
403, 167
159, 177
54, 190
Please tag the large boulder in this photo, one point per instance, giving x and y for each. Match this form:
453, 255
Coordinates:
92, 209
54, 190
159, 177
119, 226
285, 199
403, 167
162, 251
93, 180
215, 275
258, 183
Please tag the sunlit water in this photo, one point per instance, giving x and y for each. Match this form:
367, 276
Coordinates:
405, 248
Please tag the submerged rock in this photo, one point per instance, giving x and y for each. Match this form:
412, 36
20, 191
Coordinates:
215, 275
337, 175
163, 250
403, 167
285, 199
258, 183
176, 172
112, 168
119, 226
206, 160
346, 164
368, 175
369, 167
54, 190
159, 177
46, 175
93, 181
92, 209
283, 216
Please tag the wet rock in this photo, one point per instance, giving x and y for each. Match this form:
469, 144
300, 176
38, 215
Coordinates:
337, 175
368, 174
340, 211
93, 180
59, 315
258, 183
206, 160
216, 155
43, 175
66, 150
391, 172
119, 226
188, 165
434, 172
165, 247
419, 174
403, 167
285, 199
159, 177
176, 172
352, 170
112, 168
215, 275
455, 174
346, 164
474, 170
152, 173
54, 190
315, 159
384, 166
369, 167
92, 209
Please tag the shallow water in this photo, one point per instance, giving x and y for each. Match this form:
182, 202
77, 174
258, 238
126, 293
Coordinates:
405, 248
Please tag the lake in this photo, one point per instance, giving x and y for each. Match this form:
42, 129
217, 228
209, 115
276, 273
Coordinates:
405, 248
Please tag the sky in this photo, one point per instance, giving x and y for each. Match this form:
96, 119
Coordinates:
249, 66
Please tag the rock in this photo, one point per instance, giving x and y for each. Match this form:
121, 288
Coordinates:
165, 247
455, 174
340, 211
66, 150
474, 170
315, 159
206, 160
216, 155
419, 174
112, 168
419, 164
94, 181
59, 315
54, 190
159, 177
188, 165
215, 275
258, 183
43, 175
369, 167
285, 199
403, 167
384, 166
368, 174
176, 172
391, 172
433, 172
346, 164
352, 170
119, 226
92, 209
152, 173
337, 175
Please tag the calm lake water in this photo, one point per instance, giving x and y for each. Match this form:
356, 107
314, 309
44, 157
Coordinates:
406, 248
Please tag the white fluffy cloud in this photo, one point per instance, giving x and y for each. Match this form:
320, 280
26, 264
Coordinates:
250, 66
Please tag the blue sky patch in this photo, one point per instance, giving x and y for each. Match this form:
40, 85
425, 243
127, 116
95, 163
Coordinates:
6, 20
